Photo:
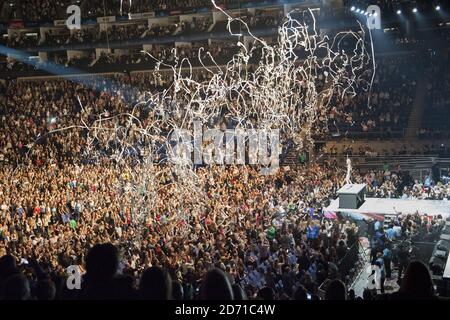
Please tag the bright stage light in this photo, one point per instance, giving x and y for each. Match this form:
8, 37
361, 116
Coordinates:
357, 10
352, 8
415, 10
438, 8
399, 11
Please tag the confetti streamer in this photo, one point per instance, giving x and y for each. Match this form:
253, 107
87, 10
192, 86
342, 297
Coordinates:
121, 5
285, 85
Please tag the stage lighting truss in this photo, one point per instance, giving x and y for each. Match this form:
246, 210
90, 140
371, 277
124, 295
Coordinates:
360, 11
398, 9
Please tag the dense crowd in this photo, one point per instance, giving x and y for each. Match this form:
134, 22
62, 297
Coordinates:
436, 110
392, 183
133, 31
256, 228
393, 245
157, 30
77, 205
20, 40
369, 149
45, 10
200, 24
384, 108
145, 231
58, 104
266, 236
55, 38
267, 233
269, 19
122, 32
85, 35
196, 52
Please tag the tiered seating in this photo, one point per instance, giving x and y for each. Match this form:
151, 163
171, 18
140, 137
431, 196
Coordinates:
436, 118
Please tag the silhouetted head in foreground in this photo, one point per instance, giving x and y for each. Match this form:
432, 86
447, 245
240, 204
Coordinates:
266, 293
102, 262
367, 294
301, 293
238, 293
351, 294
124, 287
155, 284
17, 288
216, 286
417, 283
45, 290
8, 266
177, 290
336, 291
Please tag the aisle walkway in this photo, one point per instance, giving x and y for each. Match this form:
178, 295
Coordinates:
360, 283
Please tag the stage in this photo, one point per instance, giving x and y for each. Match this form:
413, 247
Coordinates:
379, 207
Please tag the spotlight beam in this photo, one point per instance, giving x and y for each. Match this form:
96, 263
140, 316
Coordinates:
68, 73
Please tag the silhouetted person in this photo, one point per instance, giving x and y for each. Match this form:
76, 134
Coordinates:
216, 286
367, 294
45, 290
403, 259
301, 293
336, 291
8, 267
382, 270
351, 294
387, 257
416, 283
155, 284
315, 297
177, 291
265, 293
124, 287
102, 262
238, 292
341, 249
17, 287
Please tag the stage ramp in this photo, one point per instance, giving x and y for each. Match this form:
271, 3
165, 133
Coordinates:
378, 208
